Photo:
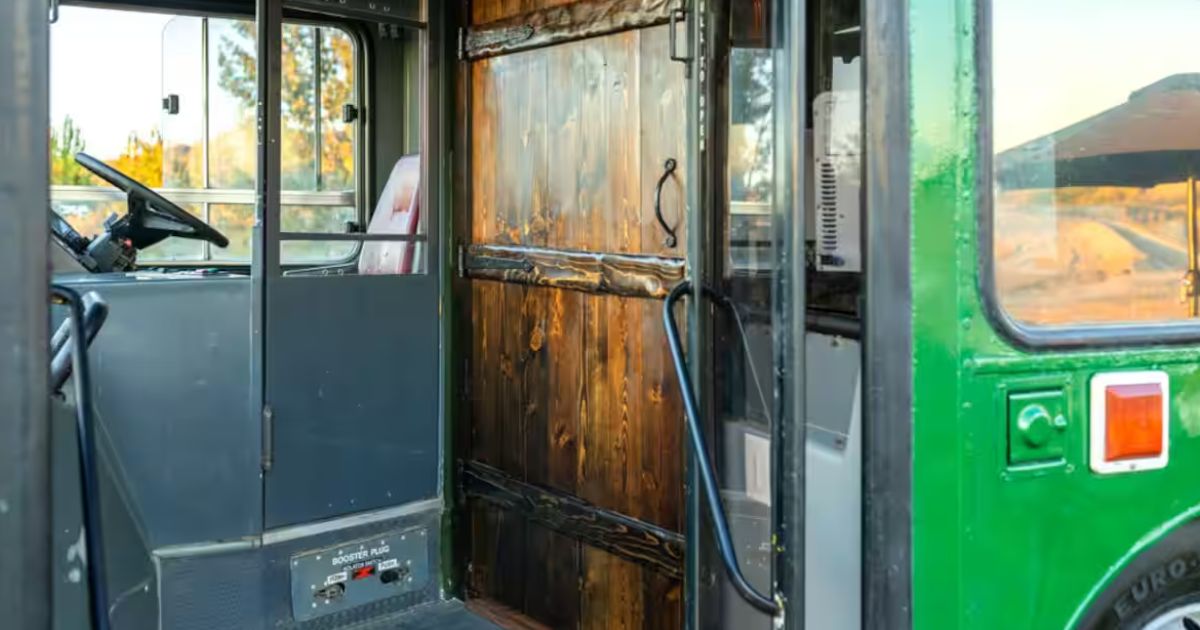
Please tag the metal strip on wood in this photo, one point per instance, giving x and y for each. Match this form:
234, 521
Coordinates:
558, 24
629, 275
628, 538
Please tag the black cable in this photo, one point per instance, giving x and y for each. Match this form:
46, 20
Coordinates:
708, 477
89, 480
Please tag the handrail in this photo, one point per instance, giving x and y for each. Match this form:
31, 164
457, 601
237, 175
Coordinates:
89, 481
95, 311
708, 478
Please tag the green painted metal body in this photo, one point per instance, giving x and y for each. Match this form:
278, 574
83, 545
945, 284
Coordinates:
994, 546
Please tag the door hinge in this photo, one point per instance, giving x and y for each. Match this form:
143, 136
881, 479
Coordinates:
268, 438
464, 387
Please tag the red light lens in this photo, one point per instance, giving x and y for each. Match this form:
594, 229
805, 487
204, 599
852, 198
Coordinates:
1133, 414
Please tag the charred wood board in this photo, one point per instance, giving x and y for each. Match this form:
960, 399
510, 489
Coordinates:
628, 275
562, 23
625, 537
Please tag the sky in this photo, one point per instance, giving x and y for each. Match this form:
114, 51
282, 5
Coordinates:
1057, 62
106, 73
109, 70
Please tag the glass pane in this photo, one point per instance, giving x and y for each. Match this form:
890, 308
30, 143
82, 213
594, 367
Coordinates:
232, 99
86, 113
750, 158
236, 222
322, 220
233, 93
317, 252
1095, 149
299, 103
337, 90
183, 84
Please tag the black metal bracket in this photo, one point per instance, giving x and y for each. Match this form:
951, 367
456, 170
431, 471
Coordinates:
668, 168
677, 15
471, 40
468, 261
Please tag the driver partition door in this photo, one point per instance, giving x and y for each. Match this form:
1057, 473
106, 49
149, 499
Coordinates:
347, 355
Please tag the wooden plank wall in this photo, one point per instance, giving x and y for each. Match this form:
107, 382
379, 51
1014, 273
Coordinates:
567, 389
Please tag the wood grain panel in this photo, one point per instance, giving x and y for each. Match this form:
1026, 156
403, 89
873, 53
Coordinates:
569, 390
661, 460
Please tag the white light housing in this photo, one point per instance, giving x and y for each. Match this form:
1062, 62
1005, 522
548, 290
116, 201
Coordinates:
1129, 421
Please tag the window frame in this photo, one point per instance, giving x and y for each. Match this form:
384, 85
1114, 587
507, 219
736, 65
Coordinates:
1037, 337
206, 195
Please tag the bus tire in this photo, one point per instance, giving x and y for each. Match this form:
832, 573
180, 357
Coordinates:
1162, 581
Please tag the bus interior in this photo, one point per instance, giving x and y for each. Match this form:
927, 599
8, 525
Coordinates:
374, 298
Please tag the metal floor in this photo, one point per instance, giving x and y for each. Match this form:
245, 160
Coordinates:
451, 615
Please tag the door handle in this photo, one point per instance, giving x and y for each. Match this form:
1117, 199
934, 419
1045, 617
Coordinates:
668, 169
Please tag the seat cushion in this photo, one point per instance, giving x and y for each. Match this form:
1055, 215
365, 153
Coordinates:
398, 212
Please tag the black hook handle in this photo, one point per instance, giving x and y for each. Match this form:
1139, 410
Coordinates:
668, 168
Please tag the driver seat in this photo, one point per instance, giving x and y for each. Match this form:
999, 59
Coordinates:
398, 212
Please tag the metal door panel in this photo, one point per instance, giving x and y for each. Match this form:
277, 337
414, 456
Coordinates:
172, 391
352, 385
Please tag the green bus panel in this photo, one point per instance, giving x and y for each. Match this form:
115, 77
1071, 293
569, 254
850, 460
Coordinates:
996, 545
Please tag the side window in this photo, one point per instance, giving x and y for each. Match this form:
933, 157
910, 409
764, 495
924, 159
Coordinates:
184, 123
1096, 148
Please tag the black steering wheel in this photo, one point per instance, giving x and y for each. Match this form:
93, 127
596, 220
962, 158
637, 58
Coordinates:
151, 216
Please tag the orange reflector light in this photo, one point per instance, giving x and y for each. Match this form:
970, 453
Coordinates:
1135, 423
1129, 421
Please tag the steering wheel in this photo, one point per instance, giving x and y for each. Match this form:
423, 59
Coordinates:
151, 216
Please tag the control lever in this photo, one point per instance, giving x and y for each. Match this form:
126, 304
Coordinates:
708, 478
84, 425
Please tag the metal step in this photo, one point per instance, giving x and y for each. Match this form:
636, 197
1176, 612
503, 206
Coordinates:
449, 615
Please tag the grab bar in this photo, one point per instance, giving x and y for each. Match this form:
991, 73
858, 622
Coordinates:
708, 478
89, 480
95, 311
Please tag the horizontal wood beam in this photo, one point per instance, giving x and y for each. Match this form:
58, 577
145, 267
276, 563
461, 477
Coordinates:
559, 24
629, 275
629, 538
